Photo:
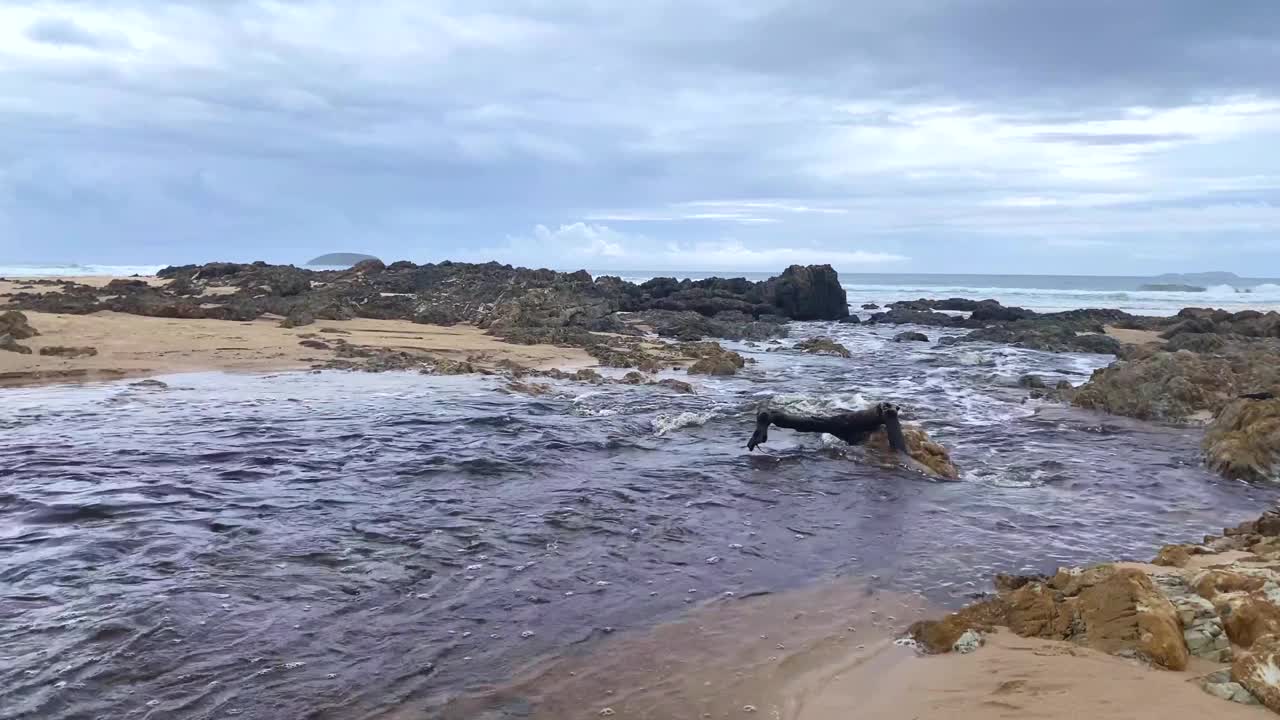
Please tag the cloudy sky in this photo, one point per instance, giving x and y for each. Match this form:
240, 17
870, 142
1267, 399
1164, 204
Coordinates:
1086, 136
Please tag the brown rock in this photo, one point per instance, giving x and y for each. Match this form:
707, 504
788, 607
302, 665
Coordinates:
1247, 617
1173, 556
1259, 671
940, 636
1126, 615
1210, 583
1072, 581
533, 389
1035, 610
632, 378
315, 344
921, 448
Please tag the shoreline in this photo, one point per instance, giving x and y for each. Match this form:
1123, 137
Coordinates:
129, 346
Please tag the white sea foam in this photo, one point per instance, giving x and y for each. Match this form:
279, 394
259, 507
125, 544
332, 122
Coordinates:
664, 424
76, 270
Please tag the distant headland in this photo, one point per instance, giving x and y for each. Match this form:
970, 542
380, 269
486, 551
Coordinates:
339, 260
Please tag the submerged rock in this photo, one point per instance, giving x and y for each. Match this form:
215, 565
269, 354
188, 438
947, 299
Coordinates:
823, 346
921, 448
911, 336
712, 359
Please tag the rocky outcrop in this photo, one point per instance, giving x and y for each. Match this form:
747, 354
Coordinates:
15, 325
1203, 601
809, 293
1243, 441
823, 346
1046, 337
1114, 610
712, 359
911, 336
1176, 386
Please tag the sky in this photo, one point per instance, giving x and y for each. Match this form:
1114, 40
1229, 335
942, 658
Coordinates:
989, 136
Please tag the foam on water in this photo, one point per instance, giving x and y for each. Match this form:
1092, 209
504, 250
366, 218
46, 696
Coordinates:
77, 270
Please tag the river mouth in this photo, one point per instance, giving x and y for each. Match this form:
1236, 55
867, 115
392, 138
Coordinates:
341, 545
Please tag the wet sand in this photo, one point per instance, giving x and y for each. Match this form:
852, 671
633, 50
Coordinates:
829, 654
132, 346
1135, 337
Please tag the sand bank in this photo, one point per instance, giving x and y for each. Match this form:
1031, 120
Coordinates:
137, 346
828, 653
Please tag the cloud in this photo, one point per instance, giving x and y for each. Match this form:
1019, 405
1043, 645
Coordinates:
62, 31
938, 133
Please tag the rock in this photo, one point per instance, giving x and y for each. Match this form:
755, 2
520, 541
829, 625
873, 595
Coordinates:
15, 325
943, 636
969, 642
911, 336
1125, 614
298, 318
372, 266
531, 389
906, 316
1243, 442
1210, 583
1220, 685
1259, 672
921, 448
990, 311
1031, 381
316, 345
823, 346
1045, 336
1165, 386
679, 386
1247, 617
1197, 343
633, 378
1173, 556
870, 306
713, 366
7, 343
809, 293
68, 352
712, 359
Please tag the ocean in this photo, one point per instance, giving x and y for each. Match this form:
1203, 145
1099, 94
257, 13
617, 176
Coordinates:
1042, 293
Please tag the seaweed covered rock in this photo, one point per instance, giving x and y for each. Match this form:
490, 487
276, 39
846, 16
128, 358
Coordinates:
1243, 442
15, 325
1165, 386
823, 346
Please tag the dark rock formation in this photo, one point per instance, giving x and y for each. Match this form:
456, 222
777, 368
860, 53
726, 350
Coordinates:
911, 336
809, 293
1243, 442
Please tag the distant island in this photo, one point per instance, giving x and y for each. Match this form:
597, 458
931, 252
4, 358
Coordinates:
343, 260
1201, 278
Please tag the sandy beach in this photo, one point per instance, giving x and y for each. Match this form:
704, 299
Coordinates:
132, 346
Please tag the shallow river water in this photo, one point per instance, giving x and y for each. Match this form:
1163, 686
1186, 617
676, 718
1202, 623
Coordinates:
342, 545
